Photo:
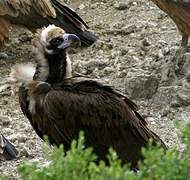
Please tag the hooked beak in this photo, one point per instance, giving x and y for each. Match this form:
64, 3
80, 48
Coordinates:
70, 40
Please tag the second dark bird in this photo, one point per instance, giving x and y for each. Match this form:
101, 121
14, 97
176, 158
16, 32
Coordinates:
60, 106
35, 14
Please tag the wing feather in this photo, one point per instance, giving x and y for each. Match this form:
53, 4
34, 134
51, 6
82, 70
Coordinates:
17, 8
93, 107
107, 118
7, 150
69, 14
45, 8
182, 2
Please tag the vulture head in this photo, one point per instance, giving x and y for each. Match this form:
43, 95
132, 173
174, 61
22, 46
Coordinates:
50, 49
54, 40
50, 46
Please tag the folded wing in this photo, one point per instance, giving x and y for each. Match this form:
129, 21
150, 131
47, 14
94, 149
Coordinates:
38, 13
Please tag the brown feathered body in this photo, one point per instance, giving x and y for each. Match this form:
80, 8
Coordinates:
39, 13
60, 106
179, 11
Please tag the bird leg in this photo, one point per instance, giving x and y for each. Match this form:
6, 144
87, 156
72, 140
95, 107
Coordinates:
179, 59
4, 35
184, 41
3, 55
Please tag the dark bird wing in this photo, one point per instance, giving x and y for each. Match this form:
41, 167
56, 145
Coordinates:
107, 118
70, 14
17, 7
24, 104
38, 13
7, 150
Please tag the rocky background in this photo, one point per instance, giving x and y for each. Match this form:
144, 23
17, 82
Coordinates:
135, 53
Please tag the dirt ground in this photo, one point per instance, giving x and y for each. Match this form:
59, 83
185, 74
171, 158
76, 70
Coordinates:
135, 53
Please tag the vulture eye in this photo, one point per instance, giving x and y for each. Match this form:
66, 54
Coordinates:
56, 41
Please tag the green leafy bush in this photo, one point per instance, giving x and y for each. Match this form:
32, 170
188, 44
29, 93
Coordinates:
78, 164
3, 178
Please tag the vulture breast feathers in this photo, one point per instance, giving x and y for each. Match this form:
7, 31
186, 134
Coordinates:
179, 11
39, 13
60, 106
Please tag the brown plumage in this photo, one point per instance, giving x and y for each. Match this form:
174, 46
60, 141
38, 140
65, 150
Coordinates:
179, 11
59, 105
39, 13
7, 150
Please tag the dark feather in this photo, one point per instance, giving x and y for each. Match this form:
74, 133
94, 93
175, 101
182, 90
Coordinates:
184, 3
70, 14
8, 149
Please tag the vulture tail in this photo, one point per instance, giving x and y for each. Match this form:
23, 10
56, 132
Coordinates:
9, 151
148, 134
157, 139
72, 23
